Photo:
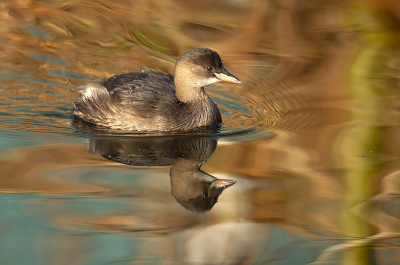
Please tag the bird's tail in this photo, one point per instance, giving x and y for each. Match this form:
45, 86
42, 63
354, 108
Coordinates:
94, 104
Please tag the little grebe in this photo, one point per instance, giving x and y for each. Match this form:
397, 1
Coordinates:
153, 101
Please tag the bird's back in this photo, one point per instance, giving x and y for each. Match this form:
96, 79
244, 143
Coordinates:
144, 89
129, 101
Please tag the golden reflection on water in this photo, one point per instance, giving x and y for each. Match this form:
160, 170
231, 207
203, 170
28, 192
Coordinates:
322, 76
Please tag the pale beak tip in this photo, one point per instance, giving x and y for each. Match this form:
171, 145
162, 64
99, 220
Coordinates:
224, 183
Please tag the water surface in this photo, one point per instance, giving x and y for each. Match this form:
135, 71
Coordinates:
311, 135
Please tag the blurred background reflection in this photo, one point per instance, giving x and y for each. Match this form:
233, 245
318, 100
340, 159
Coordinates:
311, 136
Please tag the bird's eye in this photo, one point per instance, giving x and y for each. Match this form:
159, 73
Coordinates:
210, 68
205, 195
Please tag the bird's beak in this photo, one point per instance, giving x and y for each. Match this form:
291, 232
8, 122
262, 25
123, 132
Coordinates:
222, 183
226, 76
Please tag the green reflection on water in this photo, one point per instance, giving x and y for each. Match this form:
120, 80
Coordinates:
362, 143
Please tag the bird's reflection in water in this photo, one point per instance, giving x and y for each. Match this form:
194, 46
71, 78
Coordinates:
193, 188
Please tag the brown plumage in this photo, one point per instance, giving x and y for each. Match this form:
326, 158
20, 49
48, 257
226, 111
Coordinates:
153, 101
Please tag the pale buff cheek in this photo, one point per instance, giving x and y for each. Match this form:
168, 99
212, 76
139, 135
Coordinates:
207, 81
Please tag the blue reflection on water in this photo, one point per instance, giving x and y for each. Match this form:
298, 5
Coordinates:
38, 32
48, 59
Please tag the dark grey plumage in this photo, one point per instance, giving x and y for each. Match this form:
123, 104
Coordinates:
153, 101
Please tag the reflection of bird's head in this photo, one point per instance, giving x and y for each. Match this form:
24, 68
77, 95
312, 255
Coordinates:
194, 189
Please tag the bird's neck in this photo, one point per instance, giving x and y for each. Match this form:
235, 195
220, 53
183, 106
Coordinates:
188, 88
187, 91
200, 109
